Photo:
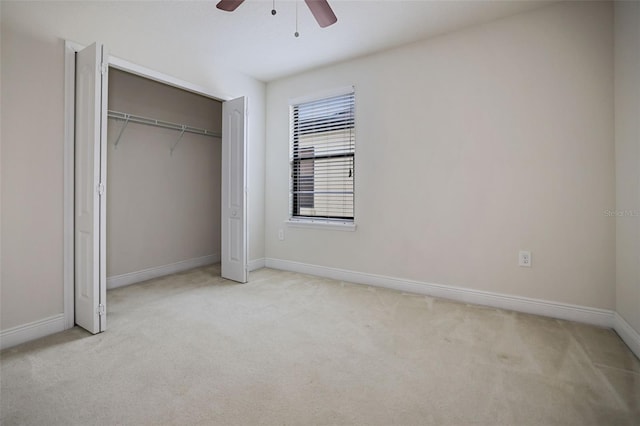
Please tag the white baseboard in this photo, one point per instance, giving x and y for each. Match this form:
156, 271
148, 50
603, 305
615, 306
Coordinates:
595, 316
256, 264
31, 331
630, 336
160, 271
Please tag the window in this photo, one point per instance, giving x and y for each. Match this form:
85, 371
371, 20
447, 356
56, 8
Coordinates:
322, 159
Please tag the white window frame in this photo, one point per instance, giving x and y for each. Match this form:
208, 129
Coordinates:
310, 222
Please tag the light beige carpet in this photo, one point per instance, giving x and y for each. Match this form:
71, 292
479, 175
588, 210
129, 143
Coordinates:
291, 349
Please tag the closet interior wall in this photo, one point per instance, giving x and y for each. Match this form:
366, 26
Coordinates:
163, 207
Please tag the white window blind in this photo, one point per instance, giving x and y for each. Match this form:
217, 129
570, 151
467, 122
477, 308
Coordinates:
323, 158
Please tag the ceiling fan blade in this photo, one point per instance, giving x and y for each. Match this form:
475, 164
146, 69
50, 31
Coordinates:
229, 5
322, 12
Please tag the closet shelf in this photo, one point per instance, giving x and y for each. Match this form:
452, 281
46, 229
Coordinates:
131, 118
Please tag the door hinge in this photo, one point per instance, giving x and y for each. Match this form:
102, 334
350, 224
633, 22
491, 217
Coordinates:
101, 309
103, 68
101, 189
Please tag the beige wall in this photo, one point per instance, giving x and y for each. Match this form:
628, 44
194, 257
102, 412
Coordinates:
33, 35
162, 208
627, 145
32, 132
504, 132
470, 147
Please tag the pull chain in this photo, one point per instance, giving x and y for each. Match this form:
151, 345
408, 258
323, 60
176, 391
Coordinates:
273, 9
297, 34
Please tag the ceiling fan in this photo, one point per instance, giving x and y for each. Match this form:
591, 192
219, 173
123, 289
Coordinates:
319, 8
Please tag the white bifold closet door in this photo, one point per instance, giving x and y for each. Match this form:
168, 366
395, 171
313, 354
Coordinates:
90, 195
91, 80
234, 191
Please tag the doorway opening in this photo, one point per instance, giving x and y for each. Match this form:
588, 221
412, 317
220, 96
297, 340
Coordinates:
86, 180
164, 170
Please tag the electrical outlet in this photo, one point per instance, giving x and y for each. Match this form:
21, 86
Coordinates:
524, 258
281, 234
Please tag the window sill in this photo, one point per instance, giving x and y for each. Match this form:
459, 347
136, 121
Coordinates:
321, 224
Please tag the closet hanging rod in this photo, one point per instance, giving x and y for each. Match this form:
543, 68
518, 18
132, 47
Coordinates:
131, 118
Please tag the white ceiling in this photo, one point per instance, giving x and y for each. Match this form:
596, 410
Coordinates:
264, 46
258, 44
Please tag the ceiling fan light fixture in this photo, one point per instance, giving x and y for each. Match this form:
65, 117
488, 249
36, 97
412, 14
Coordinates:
320, 9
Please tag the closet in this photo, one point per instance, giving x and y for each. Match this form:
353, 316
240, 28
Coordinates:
163, 177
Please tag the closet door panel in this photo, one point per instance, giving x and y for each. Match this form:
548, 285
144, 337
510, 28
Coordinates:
90, 158
234, 194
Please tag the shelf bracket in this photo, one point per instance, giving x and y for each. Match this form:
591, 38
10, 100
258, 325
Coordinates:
124, 126
179, 139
